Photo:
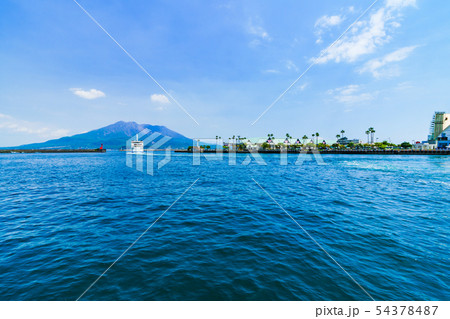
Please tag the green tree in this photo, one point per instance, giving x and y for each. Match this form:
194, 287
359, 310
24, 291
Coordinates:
338, 137
405, 145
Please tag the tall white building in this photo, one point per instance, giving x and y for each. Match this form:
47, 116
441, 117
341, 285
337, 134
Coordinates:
439, 123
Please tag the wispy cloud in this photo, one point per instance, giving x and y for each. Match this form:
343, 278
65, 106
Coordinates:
379, 67
88, 94
159, 98
271, 71
290, 65
255, 28
324, 23
328, 21
284, 65
13, 125
4, 116
404, 85
350, 94
368, 34
303, 86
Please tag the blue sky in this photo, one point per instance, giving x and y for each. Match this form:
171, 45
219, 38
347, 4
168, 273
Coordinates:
225, 62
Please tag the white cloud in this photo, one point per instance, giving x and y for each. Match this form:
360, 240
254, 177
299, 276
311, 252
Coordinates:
90, 94
324, 23
291, 65
57, 133
378, 66
273, 71
328, 21
400, 3
368, 34
258, 30
254, 27
303, 86
14, 125
160, 98
404, 86
350, 94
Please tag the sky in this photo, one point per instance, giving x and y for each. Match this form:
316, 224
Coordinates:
211, 68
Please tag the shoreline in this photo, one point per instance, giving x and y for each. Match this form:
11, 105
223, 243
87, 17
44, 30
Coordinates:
349, 152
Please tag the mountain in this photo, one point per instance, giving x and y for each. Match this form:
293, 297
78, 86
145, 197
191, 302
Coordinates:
113, 136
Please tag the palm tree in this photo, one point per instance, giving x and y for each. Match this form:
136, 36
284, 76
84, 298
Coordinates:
338, 137
317, 138
373, 135
304, 138
367, 132
342, 132
371, 132
287, 138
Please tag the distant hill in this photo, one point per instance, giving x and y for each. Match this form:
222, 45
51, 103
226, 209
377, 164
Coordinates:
113, 136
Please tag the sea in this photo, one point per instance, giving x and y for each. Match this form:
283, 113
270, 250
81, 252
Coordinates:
340, 227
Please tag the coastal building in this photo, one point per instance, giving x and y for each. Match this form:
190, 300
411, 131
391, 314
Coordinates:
424, 146
345, 141
443, 140
439, 123
254, 144
276, 143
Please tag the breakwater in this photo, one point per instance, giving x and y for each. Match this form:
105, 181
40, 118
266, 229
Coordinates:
14, 151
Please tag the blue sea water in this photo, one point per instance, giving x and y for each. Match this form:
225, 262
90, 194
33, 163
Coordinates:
65, 218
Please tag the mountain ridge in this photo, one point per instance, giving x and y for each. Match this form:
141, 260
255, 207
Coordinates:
113, 136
